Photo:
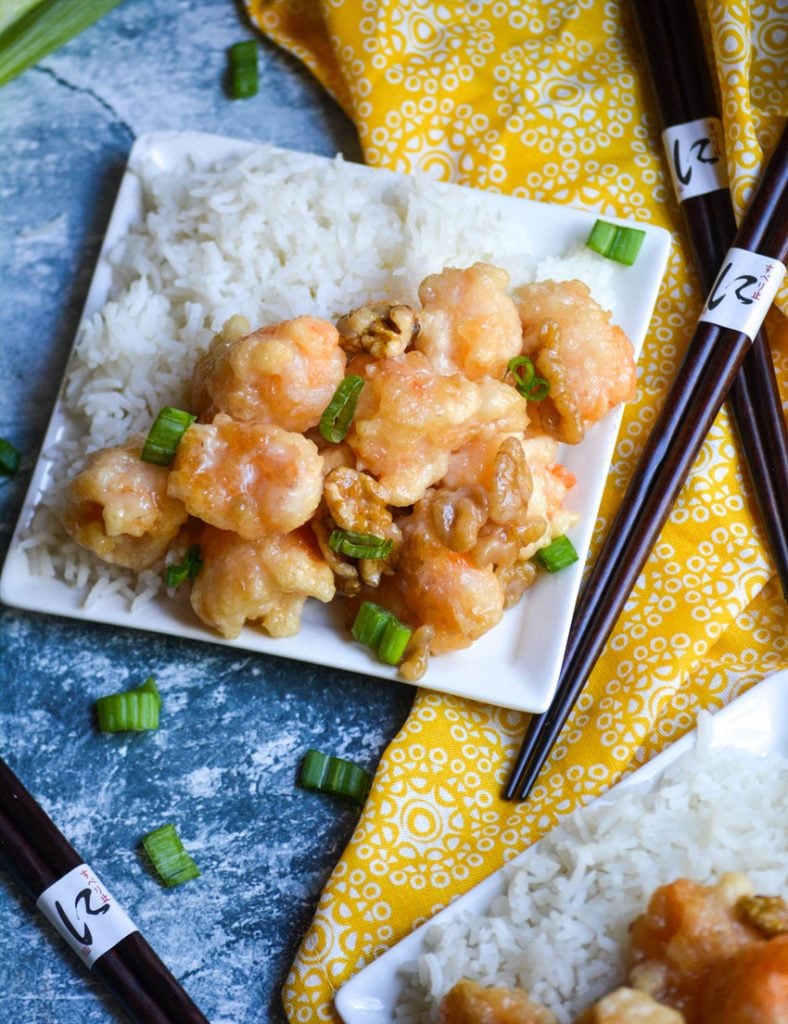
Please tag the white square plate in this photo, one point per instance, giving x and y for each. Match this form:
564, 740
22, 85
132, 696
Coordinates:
515, 665
757, 721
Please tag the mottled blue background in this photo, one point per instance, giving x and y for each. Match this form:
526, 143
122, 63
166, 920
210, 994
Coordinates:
234, 727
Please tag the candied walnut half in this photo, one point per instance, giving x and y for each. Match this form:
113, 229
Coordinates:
356, 502
769, 914
456, 516
512, 483
417, 654
383, 329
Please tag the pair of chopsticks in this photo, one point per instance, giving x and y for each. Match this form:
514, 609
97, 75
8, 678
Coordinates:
38, 856
748, 279
672, 43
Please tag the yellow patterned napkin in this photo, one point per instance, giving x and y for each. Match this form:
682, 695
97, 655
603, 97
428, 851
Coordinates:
548, 99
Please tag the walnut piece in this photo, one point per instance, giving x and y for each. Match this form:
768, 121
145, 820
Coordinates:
382, 329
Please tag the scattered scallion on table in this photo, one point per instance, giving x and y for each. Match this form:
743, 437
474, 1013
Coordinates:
165, 436
168, 856
359, 545
616, 241
187, 569
132, 711
9, 458
557, 555
244, 80
42, 28
526, 381
381, 630
338, 415
335, 775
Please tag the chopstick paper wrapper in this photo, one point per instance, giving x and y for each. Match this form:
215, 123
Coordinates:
745, 286
672, 42
82, 910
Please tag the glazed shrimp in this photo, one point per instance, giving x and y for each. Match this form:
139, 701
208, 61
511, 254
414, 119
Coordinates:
751, 987
119, 508
441, 588
686, 930
468, 322
250, 478
470, 1003
265, 581
478, 464
409, 419
576, 347
285, 374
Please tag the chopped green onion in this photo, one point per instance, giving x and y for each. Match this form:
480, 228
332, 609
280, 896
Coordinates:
168, 856
132, 711
335, 775
165, 436
393, 642
338, 415
616, 241
370, 623
380, 629
9, 458
557, 555
44, 28
359, 545
186, 569
525, 380
243, 70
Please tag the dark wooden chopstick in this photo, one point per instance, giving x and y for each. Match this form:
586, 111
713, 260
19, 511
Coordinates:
37, 855
672, 42
713, 359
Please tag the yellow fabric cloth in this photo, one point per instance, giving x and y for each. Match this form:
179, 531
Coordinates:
548, 99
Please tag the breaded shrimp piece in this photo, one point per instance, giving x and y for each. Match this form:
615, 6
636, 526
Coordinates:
628, 1006
437, 587
595, 355
474, 465
265, 581
751, 987
470, 1003
285, 373
119, 508
251, 478
409, 419
468, 322
686, 931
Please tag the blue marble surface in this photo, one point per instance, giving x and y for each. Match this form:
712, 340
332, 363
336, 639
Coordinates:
234, 727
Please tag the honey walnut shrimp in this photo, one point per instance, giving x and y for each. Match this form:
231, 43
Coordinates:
440, 458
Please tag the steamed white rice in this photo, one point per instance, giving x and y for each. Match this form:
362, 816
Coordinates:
560, 928
270, 235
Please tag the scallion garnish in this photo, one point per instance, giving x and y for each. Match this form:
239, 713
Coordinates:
359, 545
335, 775
381, 630
525, 380
370, 624
44, 28
557, 555
168, 856
133, 711
243, 70
393, 642
338, 415
616, 242
9, 458
186, 569
165, 436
